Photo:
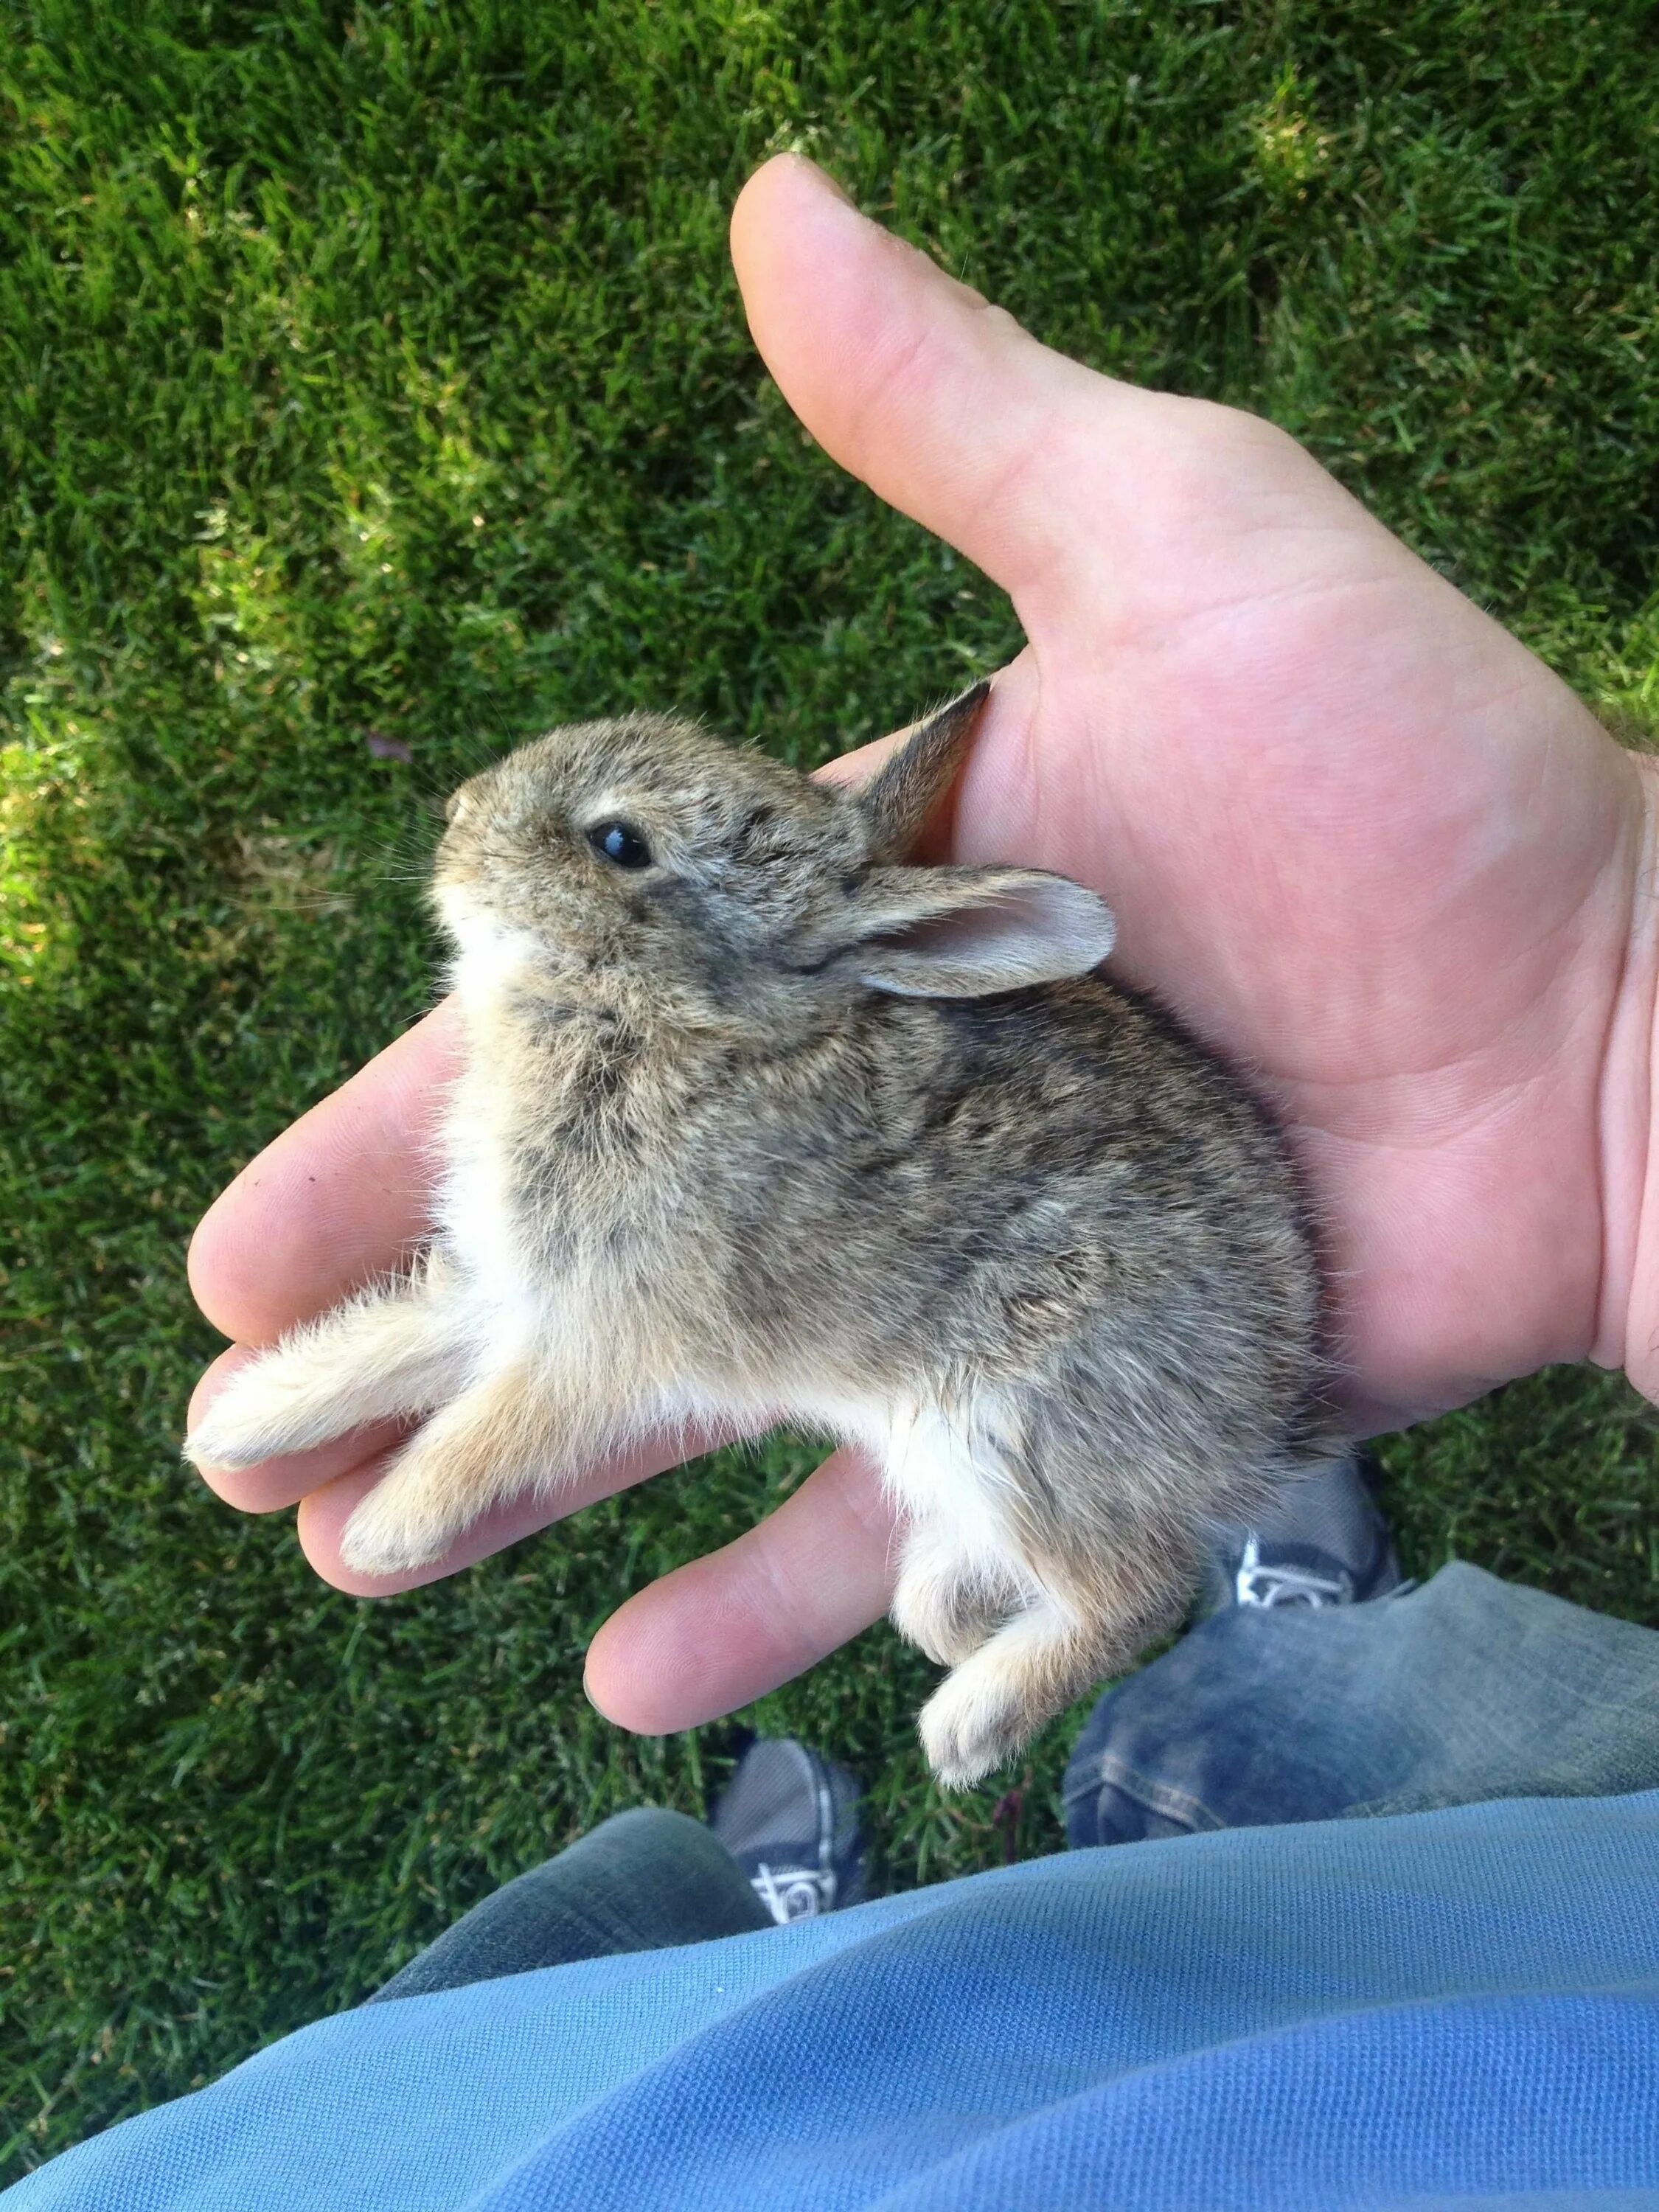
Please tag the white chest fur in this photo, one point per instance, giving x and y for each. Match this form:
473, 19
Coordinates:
475, 1210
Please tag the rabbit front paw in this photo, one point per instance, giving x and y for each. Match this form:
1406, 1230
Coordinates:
485, 1446
385, 1356
395, 1530
270, 1406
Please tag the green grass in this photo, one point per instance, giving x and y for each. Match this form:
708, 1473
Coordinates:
379, 369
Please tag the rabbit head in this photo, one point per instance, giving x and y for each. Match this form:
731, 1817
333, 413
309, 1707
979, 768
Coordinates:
644, 857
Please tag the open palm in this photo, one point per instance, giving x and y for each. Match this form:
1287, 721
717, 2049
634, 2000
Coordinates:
1354, 832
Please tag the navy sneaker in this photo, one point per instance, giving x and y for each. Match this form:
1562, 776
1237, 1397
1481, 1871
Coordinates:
1324, 1542
790, 1819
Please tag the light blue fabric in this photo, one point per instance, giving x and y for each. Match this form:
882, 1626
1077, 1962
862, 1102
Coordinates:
1420, 2010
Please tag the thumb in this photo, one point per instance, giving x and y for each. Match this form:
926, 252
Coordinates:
941, 404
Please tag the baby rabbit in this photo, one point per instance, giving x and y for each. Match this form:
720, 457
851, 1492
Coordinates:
759, 1124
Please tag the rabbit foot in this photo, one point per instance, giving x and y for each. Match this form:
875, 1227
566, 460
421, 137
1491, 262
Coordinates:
386, 1355
471, 1454
988, 1709
973, 1723
389, 1533
265, 1409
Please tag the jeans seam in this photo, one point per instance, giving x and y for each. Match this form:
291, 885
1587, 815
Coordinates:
1107, 1771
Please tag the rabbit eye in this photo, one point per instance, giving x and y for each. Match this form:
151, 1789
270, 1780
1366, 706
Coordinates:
621, 842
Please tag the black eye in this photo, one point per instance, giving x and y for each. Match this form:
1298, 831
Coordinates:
621, 842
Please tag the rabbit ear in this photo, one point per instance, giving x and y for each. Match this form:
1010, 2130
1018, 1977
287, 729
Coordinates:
961, 932
914, 778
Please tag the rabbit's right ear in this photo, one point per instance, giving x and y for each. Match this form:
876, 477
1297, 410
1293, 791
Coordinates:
915, 776
963, 932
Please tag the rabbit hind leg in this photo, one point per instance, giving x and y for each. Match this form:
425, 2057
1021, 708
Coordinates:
989, 1707
949, 1597
1079, 1629
960, 1570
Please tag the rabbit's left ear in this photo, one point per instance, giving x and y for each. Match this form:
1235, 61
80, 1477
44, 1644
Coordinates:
962, 933
916, 774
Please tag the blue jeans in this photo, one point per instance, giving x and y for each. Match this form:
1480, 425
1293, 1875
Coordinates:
641, 1881
1465, 1690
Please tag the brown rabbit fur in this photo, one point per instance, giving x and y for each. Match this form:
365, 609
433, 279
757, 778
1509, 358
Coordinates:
759, 1124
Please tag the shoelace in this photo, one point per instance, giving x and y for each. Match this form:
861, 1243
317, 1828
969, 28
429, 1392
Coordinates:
1259, 1585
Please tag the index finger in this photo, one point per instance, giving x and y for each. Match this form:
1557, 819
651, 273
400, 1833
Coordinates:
339, 1197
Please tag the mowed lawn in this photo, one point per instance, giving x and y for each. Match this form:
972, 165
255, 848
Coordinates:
373, 382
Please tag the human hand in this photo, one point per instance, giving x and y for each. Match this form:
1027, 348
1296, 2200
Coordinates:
1352, 830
